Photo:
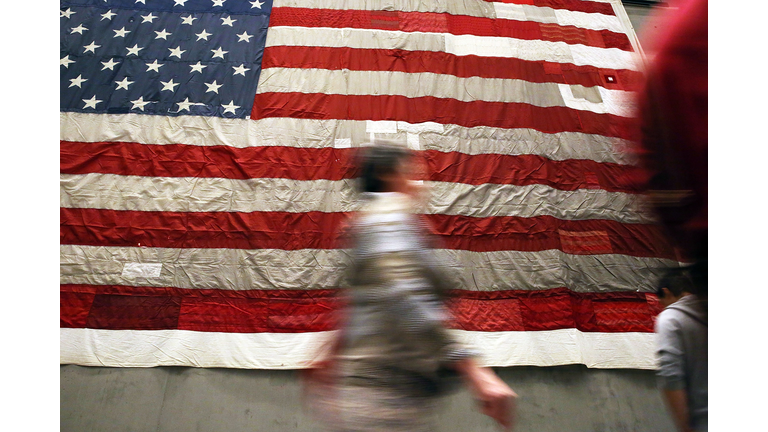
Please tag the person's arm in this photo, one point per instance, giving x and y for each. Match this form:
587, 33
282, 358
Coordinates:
671, 371
677, 402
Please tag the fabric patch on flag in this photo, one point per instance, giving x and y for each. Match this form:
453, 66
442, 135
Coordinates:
591, 179
488, 314
116, 312
74, 308
626, 315
142, 270
586, 242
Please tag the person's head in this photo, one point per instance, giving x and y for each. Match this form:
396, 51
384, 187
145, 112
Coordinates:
385, 167
674, 285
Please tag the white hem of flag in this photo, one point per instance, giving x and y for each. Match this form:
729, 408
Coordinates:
150, 348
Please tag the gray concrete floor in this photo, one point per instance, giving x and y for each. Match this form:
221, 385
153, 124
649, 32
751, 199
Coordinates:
175, 399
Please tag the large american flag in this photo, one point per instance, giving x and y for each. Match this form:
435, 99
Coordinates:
206, 166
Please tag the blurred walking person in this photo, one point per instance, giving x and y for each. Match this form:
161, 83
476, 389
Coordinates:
394, 358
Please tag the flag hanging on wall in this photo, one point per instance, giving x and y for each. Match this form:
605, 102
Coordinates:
206, 166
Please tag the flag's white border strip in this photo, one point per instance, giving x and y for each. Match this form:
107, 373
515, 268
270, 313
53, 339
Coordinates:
461, 45
415, 85
150, 348
308, 269
311, 133
204, 194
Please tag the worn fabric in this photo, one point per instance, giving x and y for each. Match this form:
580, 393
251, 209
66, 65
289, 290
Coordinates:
395, 343
682, 352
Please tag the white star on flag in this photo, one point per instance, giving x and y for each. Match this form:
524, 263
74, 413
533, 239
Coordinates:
184, 105
177, 51
227, 21
108, 15
219, 53
218, 2
169, 85
123, 84
139, 103
67, 13
77, 81
148, 18
135, 50
155, 66
203, 35
256, 4
245, 37
198, 67
139, 1
213, 87
179, 2
231, 107
65, 61
162, 34
91, 103
187, 20
240, 70
109, 64
92, 47
79, 29
121, 33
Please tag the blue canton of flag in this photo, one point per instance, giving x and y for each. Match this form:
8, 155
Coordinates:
169, 57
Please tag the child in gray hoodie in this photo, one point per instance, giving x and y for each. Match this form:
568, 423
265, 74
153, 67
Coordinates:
682, 350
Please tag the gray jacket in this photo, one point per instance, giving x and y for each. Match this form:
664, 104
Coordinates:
395, 330
682, 353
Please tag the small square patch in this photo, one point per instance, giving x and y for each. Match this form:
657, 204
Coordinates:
585, 242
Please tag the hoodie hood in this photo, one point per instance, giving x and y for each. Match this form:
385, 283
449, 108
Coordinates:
693, 306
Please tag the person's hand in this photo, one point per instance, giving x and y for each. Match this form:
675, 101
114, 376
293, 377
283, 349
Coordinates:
496, 398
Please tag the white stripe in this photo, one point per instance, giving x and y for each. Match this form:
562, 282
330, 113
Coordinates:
151, 348
474, 8
190, 194
563, 17
489, 199
309, 133
224, 269
562, 347
307, 269
413, 85
462, 45
558, 52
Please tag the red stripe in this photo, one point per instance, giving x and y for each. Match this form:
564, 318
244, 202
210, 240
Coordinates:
545, 233
178, 160
257, 230
318, 230
524, 170
148, 308
291, 311
573, 5
444, 63
444, 111
429, 22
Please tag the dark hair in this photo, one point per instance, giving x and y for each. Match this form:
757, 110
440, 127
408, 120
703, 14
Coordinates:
378, 160
677, 280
